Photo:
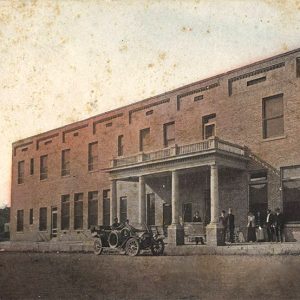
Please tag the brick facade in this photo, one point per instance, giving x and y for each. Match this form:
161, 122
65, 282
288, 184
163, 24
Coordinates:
236, 99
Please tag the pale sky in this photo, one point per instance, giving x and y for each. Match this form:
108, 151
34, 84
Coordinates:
63, 61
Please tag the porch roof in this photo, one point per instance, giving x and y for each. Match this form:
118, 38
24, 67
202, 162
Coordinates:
180, 157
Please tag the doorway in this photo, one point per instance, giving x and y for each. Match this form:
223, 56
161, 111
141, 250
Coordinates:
53, 221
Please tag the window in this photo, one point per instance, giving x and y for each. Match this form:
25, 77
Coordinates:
273, 116
298, 66
65, 162
208, 126
150, 208
169, 134
65, 212
43, 219
123, 209
120, 145
257, 80
106, 207
31, 166
144, 139
21, 165
43, 167
78, 211
92, 209
198, 98
20, 220
258, 193
93, 156
31, 216
291, 193
187, 212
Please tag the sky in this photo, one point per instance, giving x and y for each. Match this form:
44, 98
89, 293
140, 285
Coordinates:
64, 61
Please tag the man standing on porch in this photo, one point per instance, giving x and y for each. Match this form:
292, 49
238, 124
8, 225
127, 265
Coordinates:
230, 224
223, 223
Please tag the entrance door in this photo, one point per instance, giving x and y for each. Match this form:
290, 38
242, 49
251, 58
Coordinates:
150, 209
53, 221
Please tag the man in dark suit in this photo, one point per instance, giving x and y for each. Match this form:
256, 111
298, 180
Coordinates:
269, 225
279, 225
230, 224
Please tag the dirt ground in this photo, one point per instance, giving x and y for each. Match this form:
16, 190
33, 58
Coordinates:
86, 276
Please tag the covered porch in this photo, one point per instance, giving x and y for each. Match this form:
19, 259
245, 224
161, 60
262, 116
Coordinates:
168, 186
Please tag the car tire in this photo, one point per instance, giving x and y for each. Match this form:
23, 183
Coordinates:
158, 247
98, 246
132, 247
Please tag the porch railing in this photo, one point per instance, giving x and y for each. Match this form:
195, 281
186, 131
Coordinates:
203, 146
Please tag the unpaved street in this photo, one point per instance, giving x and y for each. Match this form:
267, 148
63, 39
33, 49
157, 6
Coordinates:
85, 276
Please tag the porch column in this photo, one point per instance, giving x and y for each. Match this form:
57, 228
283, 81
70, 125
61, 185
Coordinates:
175, 230
214, 191
214, 231
113, 202
142, 200
175, 194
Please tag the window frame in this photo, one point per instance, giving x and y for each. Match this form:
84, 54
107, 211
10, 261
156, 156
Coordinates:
142, 146
43, 221
65, 164
20, 220
21, 173
43, 169
168, 142
65, 212
92, 159
78, 206
265, 119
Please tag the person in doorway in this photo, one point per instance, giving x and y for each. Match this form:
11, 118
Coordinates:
251, 228
230, 224
223, 223
259, 228
269, 226
279, 225
197, 217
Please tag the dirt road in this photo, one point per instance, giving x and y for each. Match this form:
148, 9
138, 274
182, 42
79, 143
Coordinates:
85, 276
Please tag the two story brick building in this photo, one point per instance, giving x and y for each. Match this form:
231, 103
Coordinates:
227, 141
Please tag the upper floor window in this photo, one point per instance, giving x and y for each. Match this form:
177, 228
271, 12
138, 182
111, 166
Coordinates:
43, 167
290, 177
169, 134
65, 162
273, 124
93, 156
20, 220
31, 166
21, 165
298, 66
120, 145
209, 126
145, 139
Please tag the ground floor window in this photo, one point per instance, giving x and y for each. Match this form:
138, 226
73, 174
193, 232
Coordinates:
150, 209
20, 220
106, 207
187, 212
43, 219
78, 211
92, 209
65, 212
258, 193
123, 209
31, 216
291, 193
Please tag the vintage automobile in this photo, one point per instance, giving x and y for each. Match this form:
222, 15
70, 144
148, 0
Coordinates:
127, 239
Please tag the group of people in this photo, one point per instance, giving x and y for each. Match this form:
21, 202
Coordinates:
272, 224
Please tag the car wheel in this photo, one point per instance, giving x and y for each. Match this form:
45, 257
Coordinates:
158, 247
98, 246
113, 239
132, 247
